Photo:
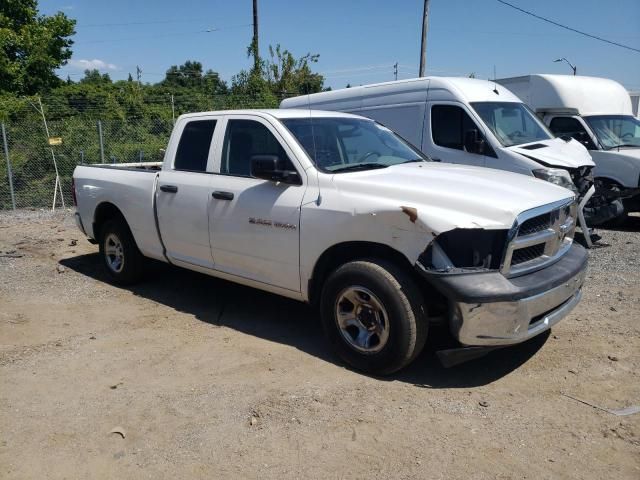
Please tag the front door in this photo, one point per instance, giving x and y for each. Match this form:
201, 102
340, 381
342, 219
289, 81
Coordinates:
254, 224
446, 126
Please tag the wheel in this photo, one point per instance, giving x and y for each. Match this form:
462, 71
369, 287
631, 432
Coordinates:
374, 316
122, 260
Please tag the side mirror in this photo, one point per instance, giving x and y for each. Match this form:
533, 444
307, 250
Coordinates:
472, 142
272, 168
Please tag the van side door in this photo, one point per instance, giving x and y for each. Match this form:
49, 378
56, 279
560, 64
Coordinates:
254, 224
446, 125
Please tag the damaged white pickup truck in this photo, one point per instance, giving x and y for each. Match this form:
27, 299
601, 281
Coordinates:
337, 210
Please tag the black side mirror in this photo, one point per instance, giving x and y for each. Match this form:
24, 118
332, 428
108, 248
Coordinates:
472, 142
272, 168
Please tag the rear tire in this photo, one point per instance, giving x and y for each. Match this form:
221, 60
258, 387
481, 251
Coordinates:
123, 262
374, 316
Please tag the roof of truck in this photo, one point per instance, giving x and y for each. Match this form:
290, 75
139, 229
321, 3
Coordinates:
290, 113
403, 91
586, 95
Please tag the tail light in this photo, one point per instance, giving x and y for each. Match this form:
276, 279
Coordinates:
73, 192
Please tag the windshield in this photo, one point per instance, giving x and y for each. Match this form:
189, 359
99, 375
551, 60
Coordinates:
348, 144
615, 131
511, 122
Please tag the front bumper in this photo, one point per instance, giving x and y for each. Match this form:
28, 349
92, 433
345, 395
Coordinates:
488, 309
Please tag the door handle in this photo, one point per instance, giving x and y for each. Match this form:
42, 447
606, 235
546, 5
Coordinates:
435, 159
169, 188
222, 195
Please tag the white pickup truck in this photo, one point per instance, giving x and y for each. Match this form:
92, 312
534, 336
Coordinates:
337, 210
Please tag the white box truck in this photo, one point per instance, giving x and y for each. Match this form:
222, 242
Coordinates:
472, 122
598, 113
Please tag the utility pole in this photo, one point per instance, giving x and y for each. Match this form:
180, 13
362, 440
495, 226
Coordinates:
395, 71
256, 49
423, 43
138, 73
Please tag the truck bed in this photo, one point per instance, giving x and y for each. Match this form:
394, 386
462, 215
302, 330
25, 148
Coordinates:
129, 186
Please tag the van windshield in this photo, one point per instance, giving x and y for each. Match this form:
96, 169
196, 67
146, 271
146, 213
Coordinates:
512, 123
614, 131
351, 144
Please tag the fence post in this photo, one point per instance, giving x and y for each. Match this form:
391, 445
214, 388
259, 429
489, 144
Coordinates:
101, 141
6, 154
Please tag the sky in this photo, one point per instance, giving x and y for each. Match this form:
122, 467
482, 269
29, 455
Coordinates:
358, 41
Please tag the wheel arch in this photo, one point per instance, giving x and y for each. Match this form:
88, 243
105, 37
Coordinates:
104, 212
344, 252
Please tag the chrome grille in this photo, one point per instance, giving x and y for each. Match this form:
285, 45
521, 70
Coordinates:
527, 254
535, 224
539, 237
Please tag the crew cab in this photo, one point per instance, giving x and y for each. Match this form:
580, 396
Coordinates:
338, 211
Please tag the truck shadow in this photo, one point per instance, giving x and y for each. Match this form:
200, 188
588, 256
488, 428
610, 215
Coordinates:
285, 321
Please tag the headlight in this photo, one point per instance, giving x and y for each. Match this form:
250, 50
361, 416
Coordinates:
557, 176
462, 248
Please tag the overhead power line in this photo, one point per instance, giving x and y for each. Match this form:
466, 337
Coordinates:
162, 35
595, 37
89, 25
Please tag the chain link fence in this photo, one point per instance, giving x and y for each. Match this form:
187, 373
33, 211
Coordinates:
84, 134
29, 173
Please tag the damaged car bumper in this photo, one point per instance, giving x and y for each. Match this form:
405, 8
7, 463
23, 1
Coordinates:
489, 309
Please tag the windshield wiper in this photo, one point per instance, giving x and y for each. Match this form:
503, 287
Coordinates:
359, 166
623, 145
415, 160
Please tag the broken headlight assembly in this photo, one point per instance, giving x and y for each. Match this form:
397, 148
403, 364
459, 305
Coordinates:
465, 249
557, 176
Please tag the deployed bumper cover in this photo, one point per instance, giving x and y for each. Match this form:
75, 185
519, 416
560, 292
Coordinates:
488, 309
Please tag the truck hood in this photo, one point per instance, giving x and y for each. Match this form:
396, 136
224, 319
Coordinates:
555, 152
447, 196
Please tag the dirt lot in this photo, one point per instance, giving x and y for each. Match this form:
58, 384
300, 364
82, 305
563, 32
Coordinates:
207, 379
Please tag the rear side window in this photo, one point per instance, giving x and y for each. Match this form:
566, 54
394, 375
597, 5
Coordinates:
448, 124
243, 140
193, 148
573, 128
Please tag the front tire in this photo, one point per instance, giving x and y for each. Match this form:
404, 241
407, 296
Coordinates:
374, 316
123, 262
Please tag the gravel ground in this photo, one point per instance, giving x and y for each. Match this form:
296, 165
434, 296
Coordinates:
186, 376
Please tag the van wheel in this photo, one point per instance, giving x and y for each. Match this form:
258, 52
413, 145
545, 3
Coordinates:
120, 255
374, 316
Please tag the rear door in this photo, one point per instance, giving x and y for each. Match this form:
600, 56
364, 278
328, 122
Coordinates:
254, 224
184, 192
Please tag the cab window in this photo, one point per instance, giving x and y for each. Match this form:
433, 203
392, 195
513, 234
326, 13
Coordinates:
193, 148
571, 127
243, 140
449, 124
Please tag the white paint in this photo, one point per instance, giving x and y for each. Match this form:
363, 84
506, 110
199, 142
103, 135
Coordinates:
328, 209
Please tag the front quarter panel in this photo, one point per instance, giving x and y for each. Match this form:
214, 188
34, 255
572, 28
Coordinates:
341, 217
622, 167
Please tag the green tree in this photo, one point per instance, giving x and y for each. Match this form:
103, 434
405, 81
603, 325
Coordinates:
95, 77
288, 75
190, 75
32, 46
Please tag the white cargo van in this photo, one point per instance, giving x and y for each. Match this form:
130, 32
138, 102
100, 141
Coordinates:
598, 113
468, 121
